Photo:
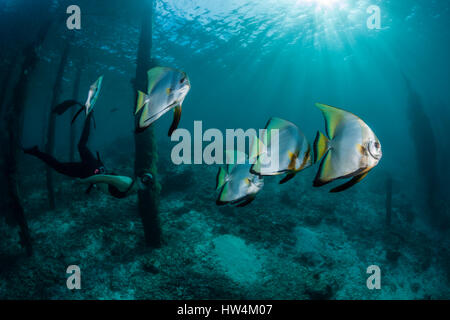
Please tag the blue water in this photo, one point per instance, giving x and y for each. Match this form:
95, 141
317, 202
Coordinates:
247, 61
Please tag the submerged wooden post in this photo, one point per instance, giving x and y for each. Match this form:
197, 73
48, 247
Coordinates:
6, 80
145, 144
50, 145
13, 131
75, 94
388, 200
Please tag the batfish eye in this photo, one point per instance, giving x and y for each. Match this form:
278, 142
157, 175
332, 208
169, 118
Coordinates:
377, 144
182, 79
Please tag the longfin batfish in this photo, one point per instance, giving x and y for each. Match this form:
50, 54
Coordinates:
167, 89
294, 151
350, 149
236, 184
93, 94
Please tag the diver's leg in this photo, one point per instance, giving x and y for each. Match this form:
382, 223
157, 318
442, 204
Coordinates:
85, 154
71, 169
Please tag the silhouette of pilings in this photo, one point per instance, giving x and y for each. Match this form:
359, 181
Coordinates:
388, 200
13, 115
424, 142
50, 145
145, 142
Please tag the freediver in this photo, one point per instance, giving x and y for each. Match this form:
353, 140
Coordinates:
91, 166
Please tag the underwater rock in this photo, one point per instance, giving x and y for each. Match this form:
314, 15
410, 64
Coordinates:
308, 247
239, 261
393, 256
150, 265
325, 292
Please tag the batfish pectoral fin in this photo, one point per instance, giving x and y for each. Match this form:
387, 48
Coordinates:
76, 115
220, 179
176, 120
140, 101
220, 201
350, 183
320, 146
324, 172
288, 177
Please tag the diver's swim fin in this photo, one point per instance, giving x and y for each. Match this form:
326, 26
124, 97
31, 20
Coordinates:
77, 114
176, 119
64, 106
349, 183
33, 150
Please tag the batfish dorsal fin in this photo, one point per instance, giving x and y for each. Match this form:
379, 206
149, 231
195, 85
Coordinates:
154, 75
98, 83
277, 123
333, 117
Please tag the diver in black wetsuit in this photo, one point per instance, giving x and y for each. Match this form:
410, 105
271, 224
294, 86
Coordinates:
91, 169
89, 165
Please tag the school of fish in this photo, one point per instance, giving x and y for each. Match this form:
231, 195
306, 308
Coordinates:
349, 150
